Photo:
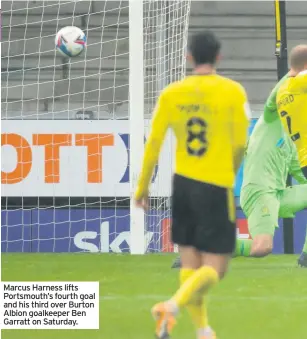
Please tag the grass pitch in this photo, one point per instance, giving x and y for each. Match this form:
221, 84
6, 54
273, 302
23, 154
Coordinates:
259, 299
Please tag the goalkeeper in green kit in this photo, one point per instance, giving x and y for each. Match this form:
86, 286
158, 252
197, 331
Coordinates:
270, 157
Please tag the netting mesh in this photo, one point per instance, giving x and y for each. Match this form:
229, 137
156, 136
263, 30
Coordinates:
65, 164
40, 84
165, 44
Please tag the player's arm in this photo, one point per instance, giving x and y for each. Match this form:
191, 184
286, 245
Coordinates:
153, 145
241, 119
270, 108
295, 169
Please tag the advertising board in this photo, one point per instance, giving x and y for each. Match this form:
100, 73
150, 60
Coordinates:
106, 230
76, 158
73, 158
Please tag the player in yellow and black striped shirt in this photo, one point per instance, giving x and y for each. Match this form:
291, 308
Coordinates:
209, 115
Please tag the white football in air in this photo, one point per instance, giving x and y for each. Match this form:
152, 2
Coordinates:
70, 41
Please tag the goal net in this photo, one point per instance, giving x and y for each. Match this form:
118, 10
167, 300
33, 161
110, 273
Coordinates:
66, 124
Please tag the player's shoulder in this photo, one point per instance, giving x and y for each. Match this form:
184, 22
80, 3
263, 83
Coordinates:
303, 73
284, 86
282, 83
294, 82
230, 88
235, 95
172, 89
301, 79
232, 85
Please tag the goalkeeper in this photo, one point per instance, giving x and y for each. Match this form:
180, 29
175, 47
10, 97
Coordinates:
270, 157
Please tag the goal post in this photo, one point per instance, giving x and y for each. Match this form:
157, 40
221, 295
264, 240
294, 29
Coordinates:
165, 35
73, 129
157, 42
136, 118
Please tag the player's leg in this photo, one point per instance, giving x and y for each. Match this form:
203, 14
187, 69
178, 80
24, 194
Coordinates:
248, 199
213, 233
195, 284
213, 268
262, 224
183, 234
302, 260
293, 200
215, 239
195, 281
195, 307
243, 248
176, 263
262, 219
198, 274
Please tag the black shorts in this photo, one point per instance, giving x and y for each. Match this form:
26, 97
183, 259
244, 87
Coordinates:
203, 216
304, 169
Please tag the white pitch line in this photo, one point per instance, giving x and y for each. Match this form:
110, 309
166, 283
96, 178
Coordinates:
165, 297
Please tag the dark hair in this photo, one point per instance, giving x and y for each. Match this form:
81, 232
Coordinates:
204, 48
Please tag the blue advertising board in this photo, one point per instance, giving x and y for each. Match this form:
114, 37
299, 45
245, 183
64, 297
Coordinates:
300, 225
94, 230
75, 230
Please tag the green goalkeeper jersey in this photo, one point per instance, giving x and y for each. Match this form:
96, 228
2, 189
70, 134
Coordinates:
270, 109
271, 155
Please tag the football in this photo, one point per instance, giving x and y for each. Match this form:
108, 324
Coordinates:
70, 41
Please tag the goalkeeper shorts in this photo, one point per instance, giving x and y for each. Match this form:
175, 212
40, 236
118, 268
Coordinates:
263, 207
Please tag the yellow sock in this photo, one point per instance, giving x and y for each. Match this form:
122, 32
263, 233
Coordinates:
196, 307
201, 280
185, 274
198, 312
